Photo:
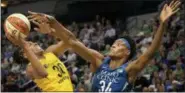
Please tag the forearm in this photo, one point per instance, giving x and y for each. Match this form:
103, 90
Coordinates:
72, 42
35, 62
157, 40
146, 57
61, 32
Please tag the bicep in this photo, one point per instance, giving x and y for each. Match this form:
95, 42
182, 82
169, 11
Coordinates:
97, 55
58, 48
84, 52
137, 65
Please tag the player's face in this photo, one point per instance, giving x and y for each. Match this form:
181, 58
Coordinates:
35, 47
119, 49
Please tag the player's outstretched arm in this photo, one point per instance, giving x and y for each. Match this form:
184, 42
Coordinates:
37, 66
166, 13
88, 54
68, 38
49, 25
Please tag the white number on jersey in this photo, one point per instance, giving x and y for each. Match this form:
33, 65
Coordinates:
105, 88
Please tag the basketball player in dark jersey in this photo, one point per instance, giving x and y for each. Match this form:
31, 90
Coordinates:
113, 73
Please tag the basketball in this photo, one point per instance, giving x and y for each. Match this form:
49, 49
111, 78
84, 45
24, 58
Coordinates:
17, 23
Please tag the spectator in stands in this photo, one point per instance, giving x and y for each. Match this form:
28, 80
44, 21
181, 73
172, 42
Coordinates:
106, 50
74, 26
71, 57
152, 67
145, 27
83, 32
179, 72
118, 27
15, 67
173, 54
163, 72
81, 87
100, 35
141, 84
86, 38
91, 29
110, 34
145, 89
103, 21
87, 82
181, 47
97, 19
10, 85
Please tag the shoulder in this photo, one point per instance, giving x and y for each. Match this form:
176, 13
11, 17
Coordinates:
96, 54
47, 53
131, 66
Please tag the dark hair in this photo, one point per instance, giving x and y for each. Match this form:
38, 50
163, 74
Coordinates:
132, 46
18, 57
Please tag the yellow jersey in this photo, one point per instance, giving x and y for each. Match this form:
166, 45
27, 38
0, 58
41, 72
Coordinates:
58, 78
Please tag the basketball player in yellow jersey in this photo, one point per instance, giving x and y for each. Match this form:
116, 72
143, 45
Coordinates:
45, 69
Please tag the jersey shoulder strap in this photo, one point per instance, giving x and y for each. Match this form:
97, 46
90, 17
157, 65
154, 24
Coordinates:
105, 61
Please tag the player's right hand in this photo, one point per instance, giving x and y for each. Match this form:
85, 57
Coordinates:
40, 17
42, 21
18, 41
43, 27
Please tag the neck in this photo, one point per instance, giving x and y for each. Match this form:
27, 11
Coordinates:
115, 63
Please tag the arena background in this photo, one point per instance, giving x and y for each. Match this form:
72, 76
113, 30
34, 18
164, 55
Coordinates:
137, 18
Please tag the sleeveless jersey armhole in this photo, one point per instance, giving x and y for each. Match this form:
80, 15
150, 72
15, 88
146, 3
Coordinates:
105, 61
130, 85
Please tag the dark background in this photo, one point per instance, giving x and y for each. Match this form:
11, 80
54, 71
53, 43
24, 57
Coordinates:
86, 11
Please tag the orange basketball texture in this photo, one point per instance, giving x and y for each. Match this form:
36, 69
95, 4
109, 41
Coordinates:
17, 23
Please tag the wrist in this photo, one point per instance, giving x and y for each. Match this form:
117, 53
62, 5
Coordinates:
162, 22
51, 19
24, 46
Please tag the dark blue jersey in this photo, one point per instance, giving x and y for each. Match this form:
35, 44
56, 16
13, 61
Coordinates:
107, 80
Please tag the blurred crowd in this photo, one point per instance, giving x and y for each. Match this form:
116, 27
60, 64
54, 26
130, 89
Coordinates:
165, 72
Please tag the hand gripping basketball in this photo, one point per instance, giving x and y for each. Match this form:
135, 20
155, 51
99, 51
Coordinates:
18, 41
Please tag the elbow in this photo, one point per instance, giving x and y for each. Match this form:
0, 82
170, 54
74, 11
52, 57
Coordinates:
43, 74
72, 42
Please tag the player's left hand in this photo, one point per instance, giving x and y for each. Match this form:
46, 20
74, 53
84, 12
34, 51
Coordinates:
169, 10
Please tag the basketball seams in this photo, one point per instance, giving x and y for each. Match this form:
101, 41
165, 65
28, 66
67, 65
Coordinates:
21, 25
21, 17
9, 27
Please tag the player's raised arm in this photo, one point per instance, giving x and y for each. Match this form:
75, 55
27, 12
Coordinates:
68, 38
58, 48
88, 54
166, 13
29, 53
49, 25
